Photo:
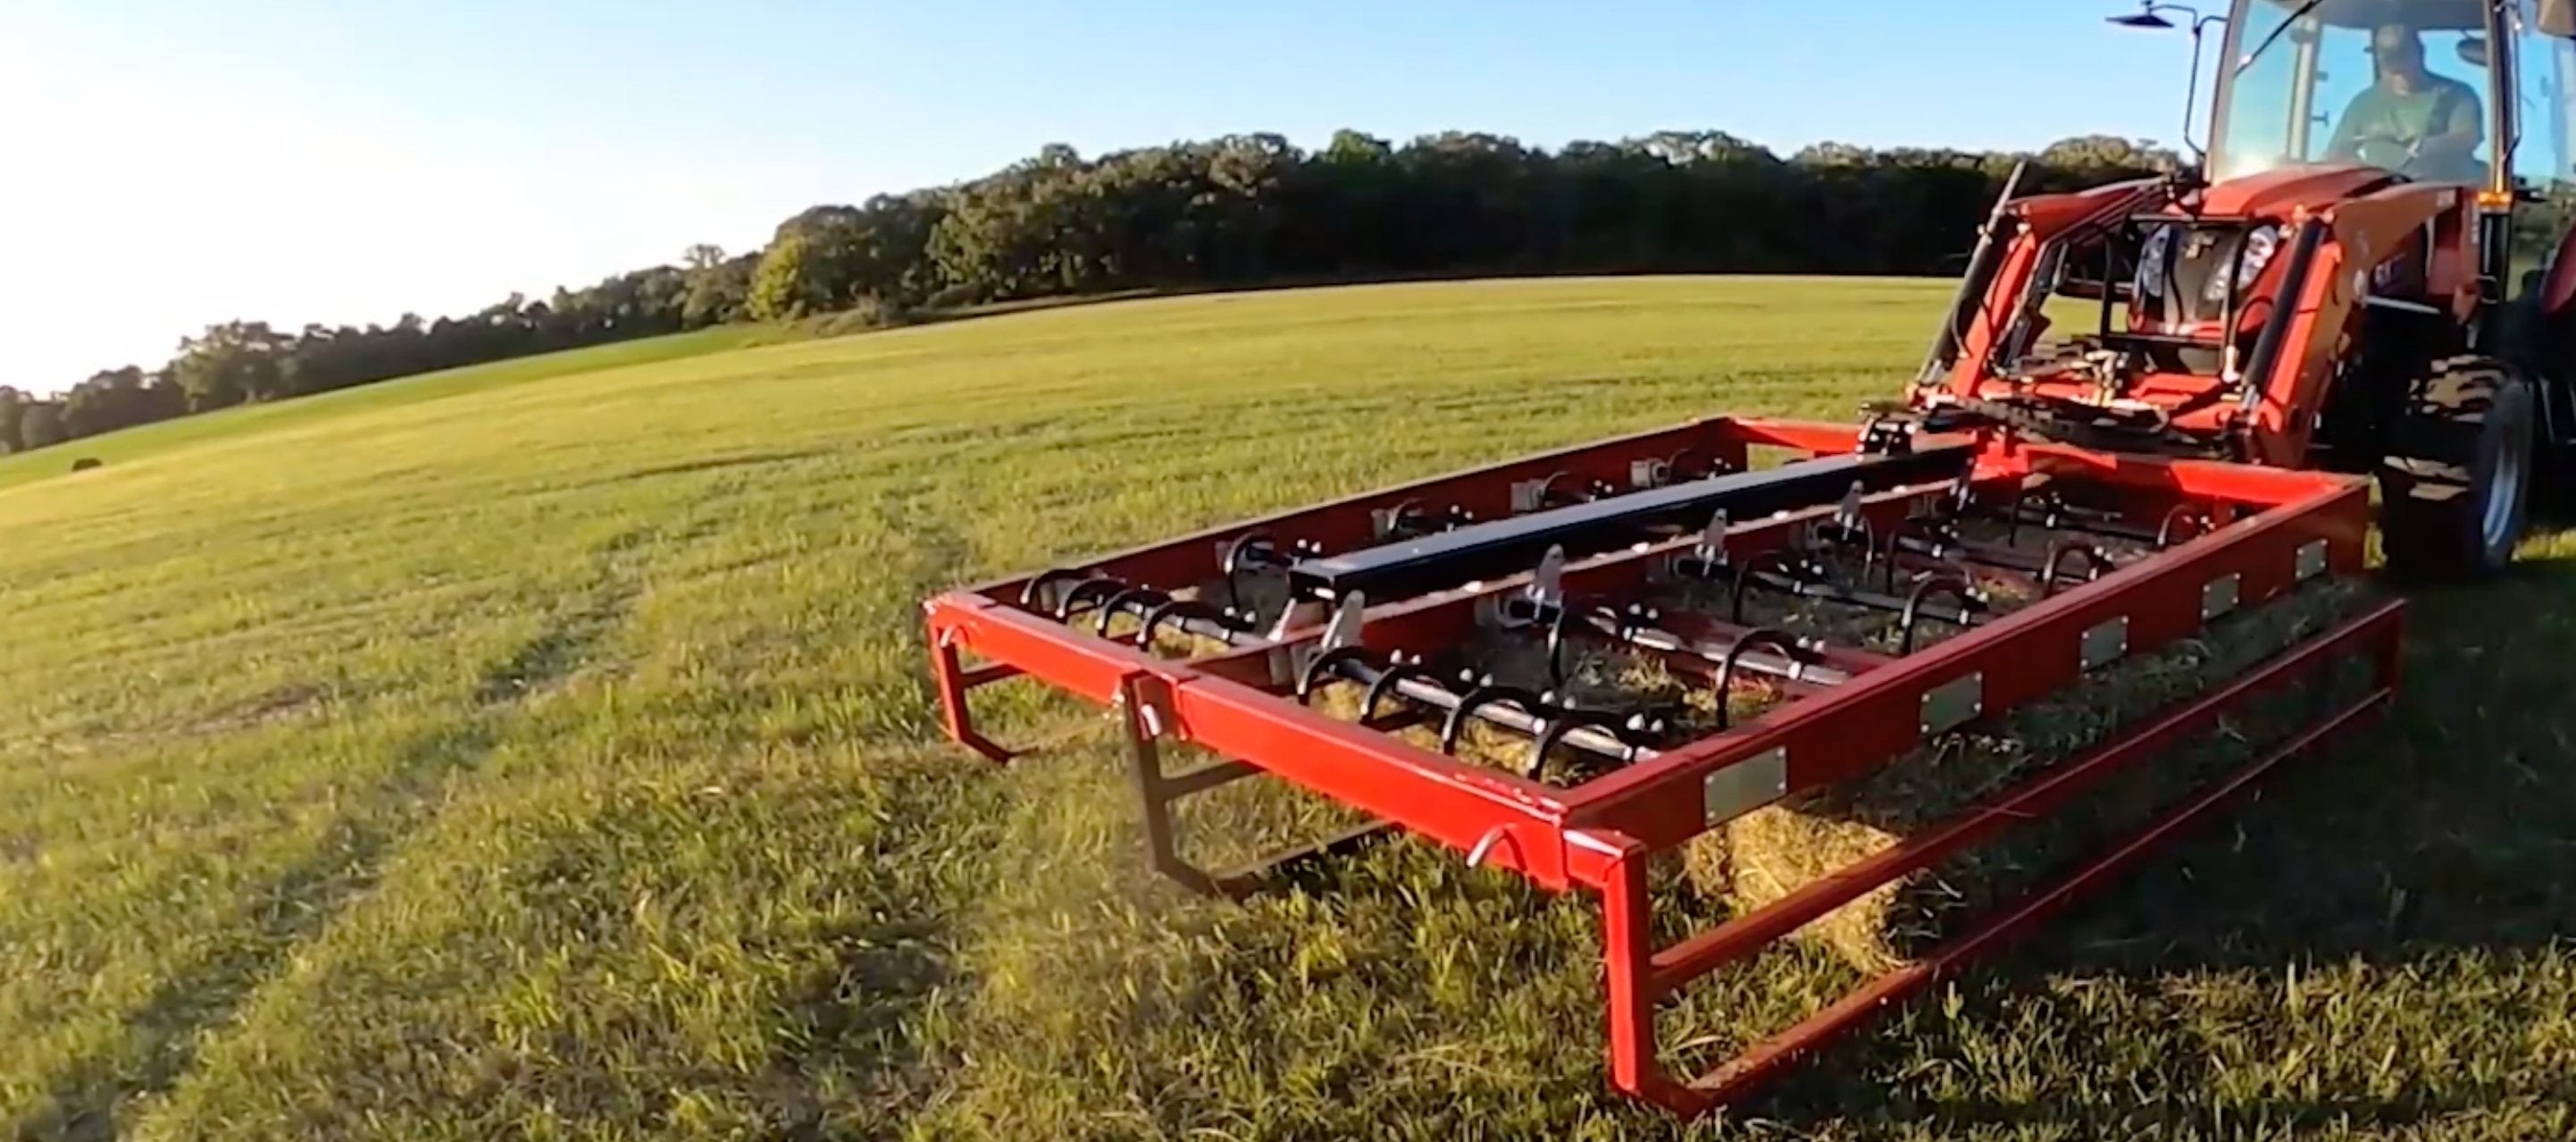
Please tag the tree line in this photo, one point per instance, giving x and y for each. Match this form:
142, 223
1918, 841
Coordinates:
1238, 211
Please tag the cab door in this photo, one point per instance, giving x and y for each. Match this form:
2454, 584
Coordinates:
2544, 170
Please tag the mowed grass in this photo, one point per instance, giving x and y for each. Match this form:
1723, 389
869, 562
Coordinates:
247, 420
555, 760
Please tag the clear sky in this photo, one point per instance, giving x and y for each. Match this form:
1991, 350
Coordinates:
165, 164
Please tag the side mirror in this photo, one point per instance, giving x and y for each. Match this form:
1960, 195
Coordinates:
2473, 52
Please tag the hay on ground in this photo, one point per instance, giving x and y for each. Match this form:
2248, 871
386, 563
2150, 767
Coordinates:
1768, 854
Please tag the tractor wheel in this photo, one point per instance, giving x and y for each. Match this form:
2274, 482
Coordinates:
2455, 489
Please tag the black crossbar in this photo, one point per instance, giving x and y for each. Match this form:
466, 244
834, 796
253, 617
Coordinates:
1508, 546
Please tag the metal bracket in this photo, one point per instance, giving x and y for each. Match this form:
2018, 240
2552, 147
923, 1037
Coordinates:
1344, 630
1954, 703
1847, 514
1732, 791
1711, 549
1648, 473
1547, 584
2218, 596
2312, 560
1153, 706
2105, 642
1300, 613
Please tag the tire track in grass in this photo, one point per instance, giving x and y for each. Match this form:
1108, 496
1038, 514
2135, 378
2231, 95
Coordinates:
90, 1095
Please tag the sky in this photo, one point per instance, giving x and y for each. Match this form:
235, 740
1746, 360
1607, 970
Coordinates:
169, 164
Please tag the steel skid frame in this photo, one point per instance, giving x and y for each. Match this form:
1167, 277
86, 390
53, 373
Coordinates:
1606, 520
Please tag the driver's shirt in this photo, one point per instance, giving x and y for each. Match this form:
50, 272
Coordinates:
2440, 106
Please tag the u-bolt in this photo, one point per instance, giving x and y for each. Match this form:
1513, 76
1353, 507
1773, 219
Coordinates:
1765, 638
1109, 610
2094, 564
1950, 585
1036, 588
1105, 588
1321, 667
1531, 704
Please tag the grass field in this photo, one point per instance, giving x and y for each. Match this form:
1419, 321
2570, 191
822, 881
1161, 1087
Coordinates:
553, 759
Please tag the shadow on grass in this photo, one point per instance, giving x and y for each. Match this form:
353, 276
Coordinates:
2428, 854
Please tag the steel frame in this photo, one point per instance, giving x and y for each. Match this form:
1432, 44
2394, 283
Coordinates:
2270, 529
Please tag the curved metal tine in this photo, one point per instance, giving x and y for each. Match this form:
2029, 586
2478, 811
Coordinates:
1762, 638
1556, 644
1850, 528
1238, 558
1109, 610
1034, 591
1395, 673
1951, 585
1487, 695
1937, 531
1798, 567
1546, 491
1183, 609
1396, 522
2094, 563
1105, 587
1563, 723
2187, 513
1745, 581
1321, 667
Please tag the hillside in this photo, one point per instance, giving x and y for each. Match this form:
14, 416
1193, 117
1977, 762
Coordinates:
544, 750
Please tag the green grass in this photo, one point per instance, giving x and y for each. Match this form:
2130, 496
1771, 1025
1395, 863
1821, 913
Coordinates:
167, 436
553, 759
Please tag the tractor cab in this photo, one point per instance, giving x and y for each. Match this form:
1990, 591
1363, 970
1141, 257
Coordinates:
2371, 270
2410, 87
2470, 93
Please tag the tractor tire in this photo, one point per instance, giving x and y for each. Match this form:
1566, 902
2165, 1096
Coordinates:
2455, 487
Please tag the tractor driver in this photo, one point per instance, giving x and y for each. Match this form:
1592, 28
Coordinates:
2411, 120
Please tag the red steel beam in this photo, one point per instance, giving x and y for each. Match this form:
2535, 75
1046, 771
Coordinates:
1698, 955
1514, 821
1639, 976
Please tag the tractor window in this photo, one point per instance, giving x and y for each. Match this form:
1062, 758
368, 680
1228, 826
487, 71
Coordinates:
2391, 96
2545, 68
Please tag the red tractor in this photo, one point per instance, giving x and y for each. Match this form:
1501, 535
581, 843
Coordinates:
2368, 274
